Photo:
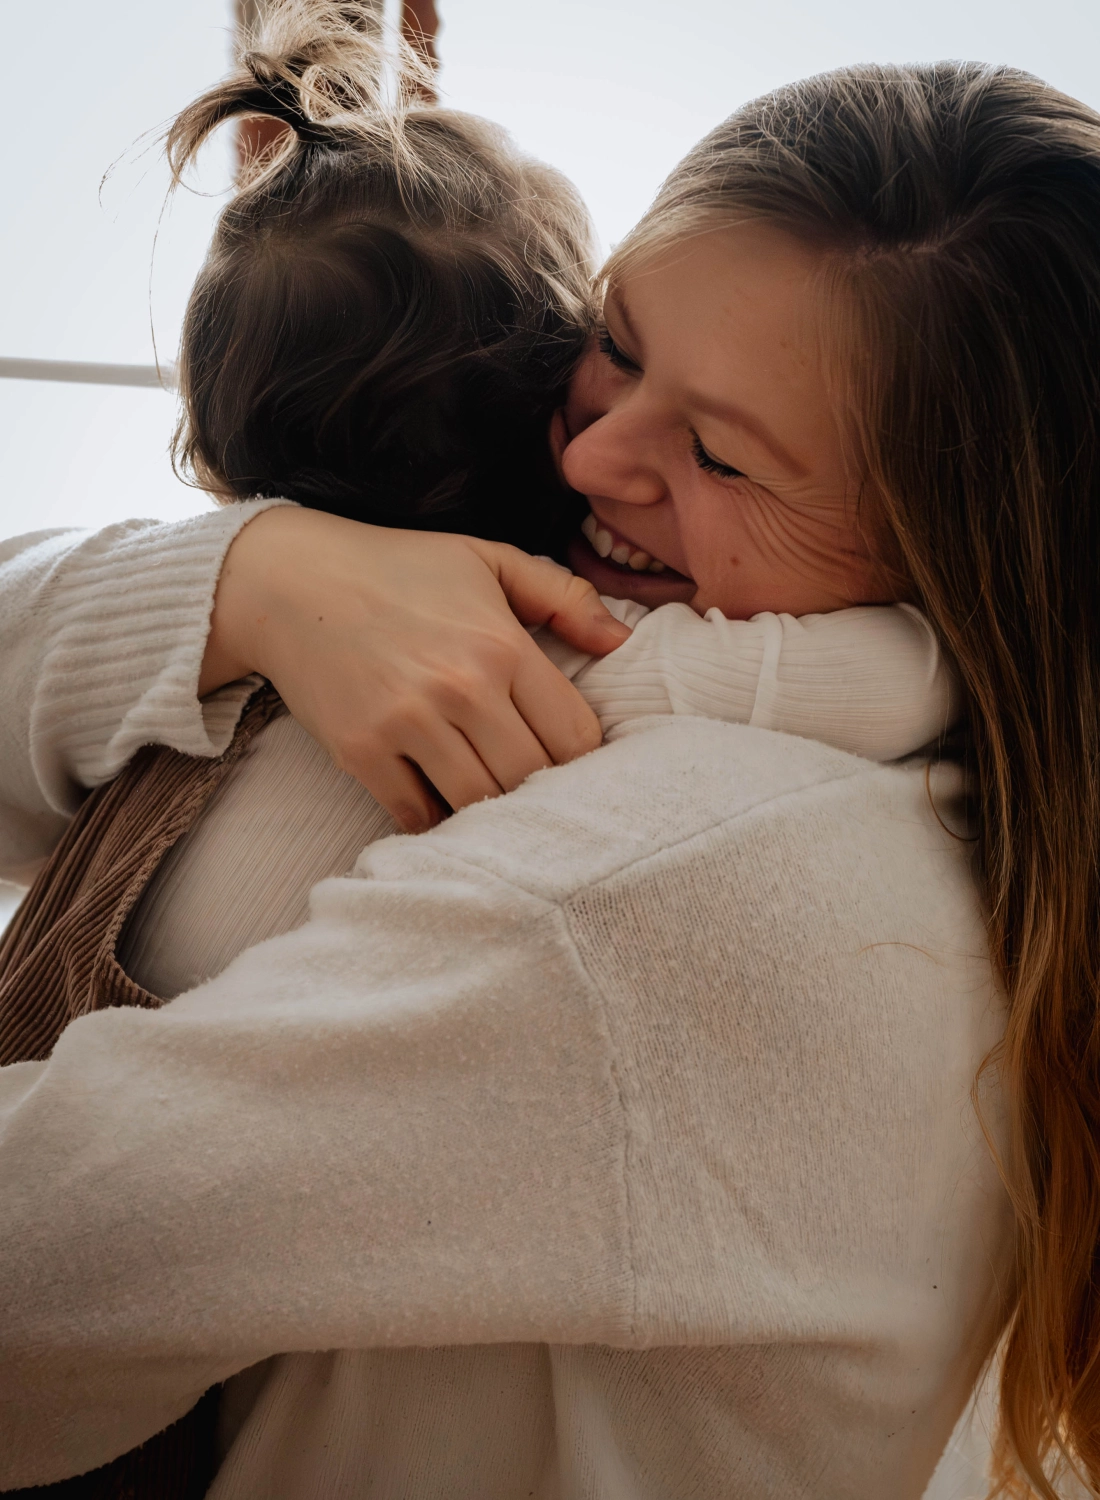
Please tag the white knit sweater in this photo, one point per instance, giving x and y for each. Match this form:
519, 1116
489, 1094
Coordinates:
640, 1095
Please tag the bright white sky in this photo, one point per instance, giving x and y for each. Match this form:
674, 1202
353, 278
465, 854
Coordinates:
612, 91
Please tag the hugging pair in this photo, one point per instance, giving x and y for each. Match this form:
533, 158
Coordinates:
385, 329
645, 1101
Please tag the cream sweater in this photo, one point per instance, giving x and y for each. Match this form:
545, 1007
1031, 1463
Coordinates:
642, 1092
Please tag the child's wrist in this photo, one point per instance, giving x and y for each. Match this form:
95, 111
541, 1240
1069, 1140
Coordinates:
233, 645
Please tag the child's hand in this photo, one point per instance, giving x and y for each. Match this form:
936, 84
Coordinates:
400, 652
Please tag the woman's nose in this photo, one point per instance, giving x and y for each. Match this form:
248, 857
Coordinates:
611, 436
610, 458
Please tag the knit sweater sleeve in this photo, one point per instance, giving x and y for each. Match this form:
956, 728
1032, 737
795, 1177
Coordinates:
869, 680
101, 642
672, 1046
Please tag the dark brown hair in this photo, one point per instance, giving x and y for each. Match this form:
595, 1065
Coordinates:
392, 303
957, 208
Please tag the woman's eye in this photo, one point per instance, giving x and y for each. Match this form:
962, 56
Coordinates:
608, 346
711, 464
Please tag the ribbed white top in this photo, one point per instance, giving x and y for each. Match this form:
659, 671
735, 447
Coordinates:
870, 680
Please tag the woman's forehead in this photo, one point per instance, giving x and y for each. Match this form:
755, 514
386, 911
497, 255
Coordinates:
743, 282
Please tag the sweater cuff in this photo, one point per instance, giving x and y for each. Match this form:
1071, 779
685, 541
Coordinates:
130, 615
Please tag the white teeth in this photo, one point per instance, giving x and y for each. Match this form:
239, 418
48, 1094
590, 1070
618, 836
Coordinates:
622, 553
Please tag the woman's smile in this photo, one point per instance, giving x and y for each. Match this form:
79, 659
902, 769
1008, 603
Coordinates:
620, 567
621, 550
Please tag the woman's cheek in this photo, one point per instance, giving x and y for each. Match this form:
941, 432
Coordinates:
738, 552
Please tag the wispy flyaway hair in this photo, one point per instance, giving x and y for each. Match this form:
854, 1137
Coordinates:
393, 300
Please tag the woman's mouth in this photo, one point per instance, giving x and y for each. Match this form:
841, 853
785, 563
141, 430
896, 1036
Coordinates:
620, 568
607, 544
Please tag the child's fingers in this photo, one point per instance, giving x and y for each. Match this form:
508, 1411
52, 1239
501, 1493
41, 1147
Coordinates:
400, 788
543, 593
556, 713
505, 742
452, 765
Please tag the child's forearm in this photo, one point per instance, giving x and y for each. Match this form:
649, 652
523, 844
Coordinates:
870, 680
101, 635
403, 654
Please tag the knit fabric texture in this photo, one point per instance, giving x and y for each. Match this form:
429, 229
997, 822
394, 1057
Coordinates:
632, 1111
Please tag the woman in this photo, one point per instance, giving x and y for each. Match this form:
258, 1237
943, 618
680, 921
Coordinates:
755, 1156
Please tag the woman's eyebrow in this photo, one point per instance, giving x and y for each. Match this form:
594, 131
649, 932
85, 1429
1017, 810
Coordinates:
734, 416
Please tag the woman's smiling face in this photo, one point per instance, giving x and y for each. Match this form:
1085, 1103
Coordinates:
702, 433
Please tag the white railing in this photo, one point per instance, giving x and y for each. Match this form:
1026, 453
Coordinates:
82, 372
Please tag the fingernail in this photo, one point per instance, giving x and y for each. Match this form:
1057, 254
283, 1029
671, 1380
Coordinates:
617, 628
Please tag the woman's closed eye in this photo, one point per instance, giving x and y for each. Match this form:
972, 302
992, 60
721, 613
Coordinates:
621, 361
711, 464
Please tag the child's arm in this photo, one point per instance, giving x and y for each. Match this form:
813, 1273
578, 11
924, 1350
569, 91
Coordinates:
403, 652
870, 680
392, 646
101, 637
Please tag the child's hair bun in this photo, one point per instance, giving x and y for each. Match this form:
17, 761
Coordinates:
279, 97
318, 66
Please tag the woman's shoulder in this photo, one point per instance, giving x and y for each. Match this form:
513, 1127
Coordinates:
785, 948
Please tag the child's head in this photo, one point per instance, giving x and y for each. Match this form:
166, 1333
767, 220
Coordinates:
392, 303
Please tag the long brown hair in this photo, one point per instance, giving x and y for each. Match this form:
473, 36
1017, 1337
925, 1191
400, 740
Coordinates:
393, 301
957, 208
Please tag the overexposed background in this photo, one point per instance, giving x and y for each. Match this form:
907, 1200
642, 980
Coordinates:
611, 91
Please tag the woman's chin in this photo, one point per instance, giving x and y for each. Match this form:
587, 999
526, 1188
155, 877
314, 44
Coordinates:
650, 589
